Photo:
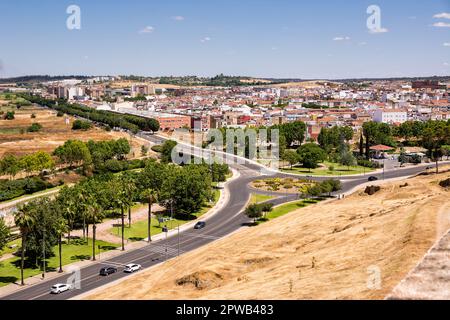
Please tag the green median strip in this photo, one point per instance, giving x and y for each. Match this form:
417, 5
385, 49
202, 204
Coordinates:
288, 208
338, 170
258, 198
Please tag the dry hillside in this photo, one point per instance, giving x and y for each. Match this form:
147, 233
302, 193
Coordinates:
327, 251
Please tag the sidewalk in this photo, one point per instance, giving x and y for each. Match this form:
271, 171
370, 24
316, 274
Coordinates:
105, 256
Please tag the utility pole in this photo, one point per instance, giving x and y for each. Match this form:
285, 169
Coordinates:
123, 228
43, 254
178, 239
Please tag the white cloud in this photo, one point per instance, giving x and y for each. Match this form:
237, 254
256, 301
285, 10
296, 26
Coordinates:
380, 30
147, 29
446, 44
362, 43
205, 39
446, 64
441, 25
341, 38
178, 18
412, 17
443, 15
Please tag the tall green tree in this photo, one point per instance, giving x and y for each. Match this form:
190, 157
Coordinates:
291, 156
310, 155
10, 165
4, 233
24, 219
151, 196
435, 135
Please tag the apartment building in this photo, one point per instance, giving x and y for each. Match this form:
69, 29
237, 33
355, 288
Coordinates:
142, 90
390, 116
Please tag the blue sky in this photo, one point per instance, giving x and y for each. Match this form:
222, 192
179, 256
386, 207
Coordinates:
261, 38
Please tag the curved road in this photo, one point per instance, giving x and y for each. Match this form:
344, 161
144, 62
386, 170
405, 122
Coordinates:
227, 220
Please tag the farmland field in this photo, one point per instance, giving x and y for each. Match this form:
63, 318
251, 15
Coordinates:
14, 138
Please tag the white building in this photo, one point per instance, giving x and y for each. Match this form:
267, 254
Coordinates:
390, 116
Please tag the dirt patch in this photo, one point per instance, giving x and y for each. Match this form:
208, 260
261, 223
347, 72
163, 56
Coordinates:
371, 190
201, 280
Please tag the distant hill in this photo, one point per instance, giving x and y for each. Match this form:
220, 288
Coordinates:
216, 81
40, 78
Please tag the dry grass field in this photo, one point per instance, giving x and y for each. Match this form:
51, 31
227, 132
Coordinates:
14, 138
325, 251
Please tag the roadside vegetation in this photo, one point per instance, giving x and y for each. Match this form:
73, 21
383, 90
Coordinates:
186, 192
312, 192
334, 155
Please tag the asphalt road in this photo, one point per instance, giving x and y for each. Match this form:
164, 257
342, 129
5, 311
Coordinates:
227, 220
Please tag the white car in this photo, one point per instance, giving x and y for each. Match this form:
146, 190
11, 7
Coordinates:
132, 267
60, 288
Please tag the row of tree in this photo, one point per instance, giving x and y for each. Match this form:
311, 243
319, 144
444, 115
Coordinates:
43, 223
92, 155
432, 135
34, 162
258, 211
113, 120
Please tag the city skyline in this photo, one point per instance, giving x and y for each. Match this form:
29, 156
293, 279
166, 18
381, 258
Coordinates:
268, 39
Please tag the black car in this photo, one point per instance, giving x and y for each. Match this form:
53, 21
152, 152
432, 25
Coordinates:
373, 178
106, 271
200, 225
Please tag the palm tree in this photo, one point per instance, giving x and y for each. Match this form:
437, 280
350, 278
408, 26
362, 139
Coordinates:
60, 228
151, 195
67, 200
129, 187
24, 219
95, 212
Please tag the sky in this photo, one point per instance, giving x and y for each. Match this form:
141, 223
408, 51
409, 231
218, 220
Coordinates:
320, 39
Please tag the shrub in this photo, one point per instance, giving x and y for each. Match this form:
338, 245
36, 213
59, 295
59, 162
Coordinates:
81, 125
60, 114
368, 164
9, 115
33, 116
35, 127
157, 148
10, 189
114, 165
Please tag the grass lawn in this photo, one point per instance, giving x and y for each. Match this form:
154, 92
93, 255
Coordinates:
7, 250
258, 198
76, 251
287, 208
339, 170
138, 230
